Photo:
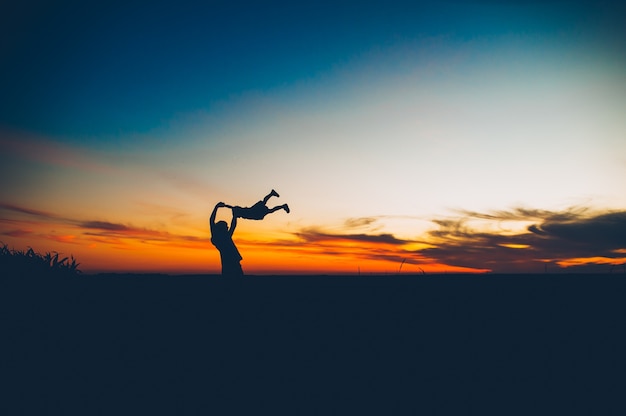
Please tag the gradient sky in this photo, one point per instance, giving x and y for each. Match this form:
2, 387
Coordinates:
413, 137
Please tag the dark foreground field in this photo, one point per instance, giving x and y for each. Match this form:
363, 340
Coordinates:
505, 344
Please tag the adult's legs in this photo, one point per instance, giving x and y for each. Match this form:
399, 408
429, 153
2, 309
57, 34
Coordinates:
232, 269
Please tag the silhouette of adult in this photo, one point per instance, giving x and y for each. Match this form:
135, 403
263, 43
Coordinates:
222, 239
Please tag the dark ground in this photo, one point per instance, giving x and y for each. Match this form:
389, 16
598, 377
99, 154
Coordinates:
496, 344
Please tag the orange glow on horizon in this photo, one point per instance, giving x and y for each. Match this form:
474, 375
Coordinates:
158, 252
268, 247
591, 260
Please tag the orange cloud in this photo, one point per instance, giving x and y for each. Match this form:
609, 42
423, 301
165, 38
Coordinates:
69, 238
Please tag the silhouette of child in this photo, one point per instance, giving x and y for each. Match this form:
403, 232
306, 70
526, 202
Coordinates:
259, 210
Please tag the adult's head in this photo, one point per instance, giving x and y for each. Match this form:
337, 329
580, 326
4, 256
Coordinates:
221, 228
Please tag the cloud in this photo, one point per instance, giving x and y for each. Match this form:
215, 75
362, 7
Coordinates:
105, 232
603, 231
315, 235
346, 247
17, 233
574, 238
103, 225
114, 233
66, 239
28, 211
525, 214
377, 247
359, 222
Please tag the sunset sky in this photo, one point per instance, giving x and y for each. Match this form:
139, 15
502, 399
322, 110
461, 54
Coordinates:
411, 137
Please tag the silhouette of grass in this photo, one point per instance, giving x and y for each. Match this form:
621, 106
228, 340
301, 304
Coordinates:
33, 263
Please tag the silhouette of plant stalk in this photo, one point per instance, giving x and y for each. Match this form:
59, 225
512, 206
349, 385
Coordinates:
31, 261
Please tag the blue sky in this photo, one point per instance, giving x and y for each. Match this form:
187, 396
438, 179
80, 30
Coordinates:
77, 69
372, 119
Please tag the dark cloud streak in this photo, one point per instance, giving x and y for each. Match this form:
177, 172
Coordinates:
103, 225
98, 231
314, 235
606, 231
28, 211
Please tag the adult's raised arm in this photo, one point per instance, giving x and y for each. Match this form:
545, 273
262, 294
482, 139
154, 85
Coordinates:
233, 224
214, 213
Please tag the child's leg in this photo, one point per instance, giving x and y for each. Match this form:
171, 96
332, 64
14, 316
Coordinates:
268, 196
284, 206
